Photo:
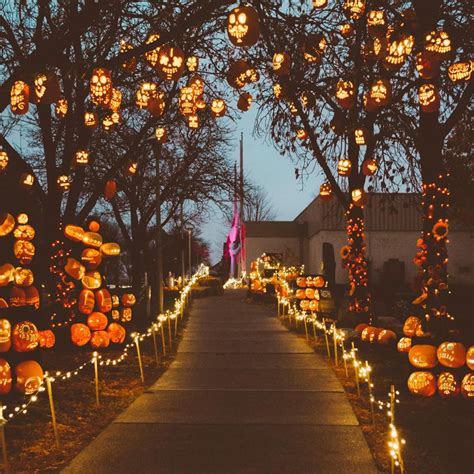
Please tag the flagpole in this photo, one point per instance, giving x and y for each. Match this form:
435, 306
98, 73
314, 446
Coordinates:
242, 236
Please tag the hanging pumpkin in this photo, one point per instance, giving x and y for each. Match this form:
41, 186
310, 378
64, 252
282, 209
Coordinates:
376, 22
171, 63
428, 96
345, 93
438, 43
5, 377
81, 158
452, 354
192, 63
422, 383
354, 8
29, 376
61, 108
110, 189
27, 180
19, 98
161, 135
461, 71
281, 63
369, 167
314, 47
80, 334
344, 167
129, 64
91, 120
25, 337
218, 107
152, 55
63, 183
359, 197
423, 356
5, 335
380, 93
193, 121
325, 191
187, 104
426, 65
144, 94
116, 100
101, 87
238, 74
244, 102
46, 88
243, 26
448, 385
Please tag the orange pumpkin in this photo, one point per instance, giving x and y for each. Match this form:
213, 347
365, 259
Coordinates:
309, 292
91, 258
360, 327
386, 337
86, 301
467, 386
300, 294
314, 305
470, 358
128, 299
370, 334
100, 339
115, 314
103, 300
304, 305
94, 226
422, 383
23, 277
32, 297
301, 282
451, 354
24, 251
47, 339
29, 376
5, 335
5, 377
116, 333
74, 269
80, 334
423, 356
3, 303
7, 271
404, 344
126, 315
74, 232
110, 249
92, 239
17, 296
7, 224
92, 280
25, 337
319, 281
411, 325
110, 189
97, 321
115, 301
448, 386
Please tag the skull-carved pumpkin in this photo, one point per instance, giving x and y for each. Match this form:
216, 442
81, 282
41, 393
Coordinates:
376, 22
345, 93
448, 385
101, 87
171, 63
243, 26
29, 376
80, 334
218, 107
19, 98
25, 337
91, 119
452, 354
428, 97
194, 121
354, 8
5, 335
380, 93
63, 182
187, 104
281, 63
467, 386
24, 251
161, 135
192, 63
5, 377
152, 56
325, 191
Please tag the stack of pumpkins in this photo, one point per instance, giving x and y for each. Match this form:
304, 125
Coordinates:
449, 355
374, 335
308, 291
256, 285
20, 338
102, 314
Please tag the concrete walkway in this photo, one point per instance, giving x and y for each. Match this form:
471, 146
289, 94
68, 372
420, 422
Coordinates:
242, 396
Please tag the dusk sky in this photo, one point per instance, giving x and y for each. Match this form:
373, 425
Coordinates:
267, 168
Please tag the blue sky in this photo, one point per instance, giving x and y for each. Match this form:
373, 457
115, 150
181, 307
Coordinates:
267, 168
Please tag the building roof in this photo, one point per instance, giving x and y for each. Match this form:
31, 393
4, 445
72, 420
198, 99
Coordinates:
266, 229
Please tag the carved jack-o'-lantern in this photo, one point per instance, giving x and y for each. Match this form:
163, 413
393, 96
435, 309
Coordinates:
145, 93
61, 108
404, 344
27, 180
244, 102
46, 88
218, 107
97, 321
74, 268
92, 280
192, 63
467, 386
100, 87
412, 323
422, 383
171, 63
86, 301
23, 277
281, 63
380, 93
344, 167
370, 334
428, 96
345, 93
152, 56
110, 249
161, 135
194, 121
301, 282
17, 296
63, 182
47, 339
74, 232
314, 47
116, 333
19, 98
187, 104
304, 305
461, 71
24, 251
91, 119
81, 158
452, 354
128, 64
386, 337
438, 43
32, 297
376, 22
29, 376
237, 75
116, 100
243, 26
361, 135
319, 3
7, 271
448, 386
426, 65
5, 377
103, 300
100, 339
470, 358
7, 224
369, 167
423, 356
197, 83
309, 293
397, 51
80, 334
3, 160
91, 258
92, 239
5, 335
126, 315
325, 191
354, 8
25, 337
128, 299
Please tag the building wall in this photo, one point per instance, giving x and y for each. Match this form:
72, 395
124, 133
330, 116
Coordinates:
290, 247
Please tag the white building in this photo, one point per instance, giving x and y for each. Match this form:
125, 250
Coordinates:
392, 224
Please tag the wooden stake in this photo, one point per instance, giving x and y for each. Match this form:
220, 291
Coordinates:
155, 345
139, 355
169, 332
334, 338
96, 377
314, 326
356, 369
326, 338
53, 412
163, 343
371, 398
3, 440
344, 357
176, 326
306, 327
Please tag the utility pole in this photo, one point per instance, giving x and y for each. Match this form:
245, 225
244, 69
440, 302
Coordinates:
190, 231
183, 263
158, 236
242, 233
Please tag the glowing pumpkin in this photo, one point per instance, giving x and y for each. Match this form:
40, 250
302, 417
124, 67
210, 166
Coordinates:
448, 385
423, 356
47, 339
97, 321
404, 344
451, 354
25, 337
422, 383
29, 376
100, 339
86, 301
116, 333
5, 377
80, 334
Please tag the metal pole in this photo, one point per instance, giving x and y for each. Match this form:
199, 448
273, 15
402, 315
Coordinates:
183, 262
190, 231
158, 236
242, 237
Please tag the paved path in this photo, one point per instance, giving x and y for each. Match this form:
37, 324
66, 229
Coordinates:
242, 396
